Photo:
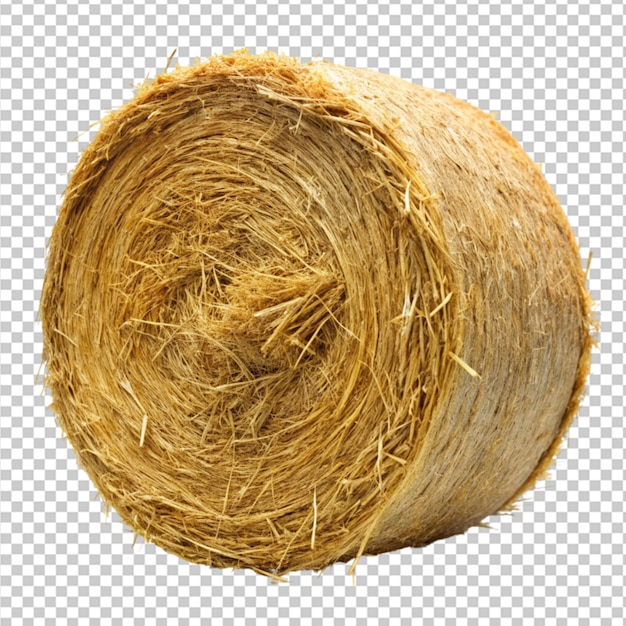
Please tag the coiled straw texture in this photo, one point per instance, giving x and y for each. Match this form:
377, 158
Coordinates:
298, 313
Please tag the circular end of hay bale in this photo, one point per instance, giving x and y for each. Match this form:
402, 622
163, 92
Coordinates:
297, 313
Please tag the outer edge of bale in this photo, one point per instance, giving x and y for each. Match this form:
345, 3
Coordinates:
590, 340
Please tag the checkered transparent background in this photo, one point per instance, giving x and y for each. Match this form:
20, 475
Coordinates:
554, 72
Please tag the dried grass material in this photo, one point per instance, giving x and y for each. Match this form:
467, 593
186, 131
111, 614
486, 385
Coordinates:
297, 313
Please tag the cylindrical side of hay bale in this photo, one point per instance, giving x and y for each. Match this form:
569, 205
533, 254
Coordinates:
297, 313
522, 313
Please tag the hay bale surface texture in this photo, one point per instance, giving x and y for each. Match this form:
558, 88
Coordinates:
294, 314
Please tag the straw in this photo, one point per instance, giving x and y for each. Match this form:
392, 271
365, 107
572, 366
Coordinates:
294, 314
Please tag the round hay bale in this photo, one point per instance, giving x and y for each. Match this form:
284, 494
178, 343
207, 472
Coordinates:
298, 313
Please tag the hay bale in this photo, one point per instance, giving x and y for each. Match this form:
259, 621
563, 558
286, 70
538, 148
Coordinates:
298, 313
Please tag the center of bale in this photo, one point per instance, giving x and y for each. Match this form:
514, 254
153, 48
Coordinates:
251, 310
